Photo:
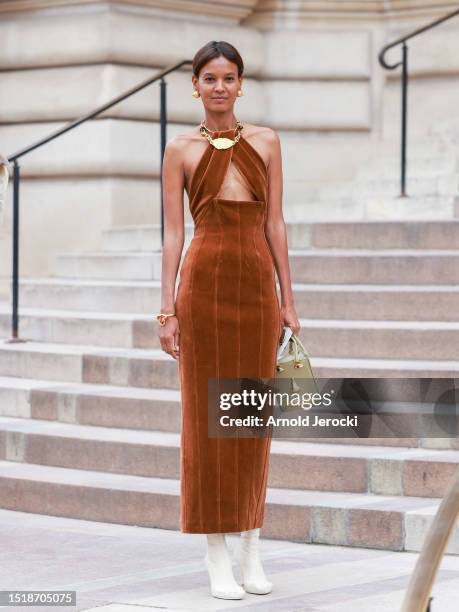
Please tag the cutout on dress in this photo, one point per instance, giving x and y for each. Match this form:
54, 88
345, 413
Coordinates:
235, 186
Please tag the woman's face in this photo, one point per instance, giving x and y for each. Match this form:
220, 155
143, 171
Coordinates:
218, 84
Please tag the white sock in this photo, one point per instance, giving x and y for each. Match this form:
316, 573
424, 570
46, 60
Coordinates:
254, 578
223, 583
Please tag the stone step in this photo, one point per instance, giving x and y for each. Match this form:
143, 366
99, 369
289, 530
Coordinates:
440, 185
445, 184
376, 302
346, 234
92, 404
313, 209
108, 296
418, 167
378, 339
313, 301
379, 266
373, 207
83, 327
348, 519
293, 465
137, 237
125, 265
136, 408
371, 339
88, 363
155, 368
397, 266
378, 235
430, 148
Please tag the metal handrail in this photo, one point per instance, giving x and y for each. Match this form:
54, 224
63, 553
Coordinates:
98, 110
404, 64
66, 128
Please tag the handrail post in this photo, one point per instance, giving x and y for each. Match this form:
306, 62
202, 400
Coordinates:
163, 122
433, 549
404, 118
15, 278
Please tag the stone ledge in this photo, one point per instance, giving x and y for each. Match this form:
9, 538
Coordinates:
216, 8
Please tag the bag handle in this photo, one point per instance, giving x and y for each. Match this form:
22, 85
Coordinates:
289, 336
298, 342
288, 332
295, 341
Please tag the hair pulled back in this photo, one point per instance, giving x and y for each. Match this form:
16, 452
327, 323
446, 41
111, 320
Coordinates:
213, 49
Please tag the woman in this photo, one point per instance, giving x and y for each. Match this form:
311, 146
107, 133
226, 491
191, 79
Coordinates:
226, 313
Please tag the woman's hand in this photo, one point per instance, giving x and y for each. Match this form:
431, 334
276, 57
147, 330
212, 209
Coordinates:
169, 335
290, 319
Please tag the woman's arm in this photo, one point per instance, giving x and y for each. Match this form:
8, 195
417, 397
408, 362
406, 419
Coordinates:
174, 235
276, 233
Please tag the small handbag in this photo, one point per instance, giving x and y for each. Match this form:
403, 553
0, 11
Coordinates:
294, 365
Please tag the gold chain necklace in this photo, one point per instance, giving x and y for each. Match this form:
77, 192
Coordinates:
221, 143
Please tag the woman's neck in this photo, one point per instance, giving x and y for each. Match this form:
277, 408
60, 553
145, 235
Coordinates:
220, 123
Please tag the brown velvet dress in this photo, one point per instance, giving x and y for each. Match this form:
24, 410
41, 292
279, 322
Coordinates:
229, 320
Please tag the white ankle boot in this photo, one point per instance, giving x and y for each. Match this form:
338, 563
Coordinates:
218, 563
248, 556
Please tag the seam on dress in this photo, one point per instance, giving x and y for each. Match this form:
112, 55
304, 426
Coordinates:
220, 233
274, 284
261, 293
182, 462
237, 441
195, 189
204, 214
265, 475
193, 336
187, 308
258, 366
252, 148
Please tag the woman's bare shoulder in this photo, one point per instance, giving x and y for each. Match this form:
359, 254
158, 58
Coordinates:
184, 139
180, 144
264, 139
259, 131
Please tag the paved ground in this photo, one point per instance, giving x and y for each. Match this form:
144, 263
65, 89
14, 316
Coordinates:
119, 568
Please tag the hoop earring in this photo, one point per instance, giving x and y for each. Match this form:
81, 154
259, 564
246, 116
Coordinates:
196, 94
239, 93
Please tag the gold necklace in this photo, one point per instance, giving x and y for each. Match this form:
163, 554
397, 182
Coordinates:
221, 143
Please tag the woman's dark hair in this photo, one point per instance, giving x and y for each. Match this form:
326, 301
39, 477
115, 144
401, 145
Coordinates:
213, 49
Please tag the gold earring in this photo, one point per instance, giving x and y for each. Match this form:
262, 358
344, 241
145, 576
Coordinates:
196, 94
239, 93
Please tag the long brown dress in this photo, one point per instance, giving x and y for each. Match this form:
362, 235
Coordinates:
229, 320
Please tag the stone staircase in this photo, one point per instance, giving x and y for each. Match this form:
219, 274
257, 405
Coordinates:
432, 183
90, 405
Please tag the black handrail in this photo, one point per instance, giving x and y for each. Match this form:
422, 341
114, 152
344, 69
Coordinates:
404, 64
66, 128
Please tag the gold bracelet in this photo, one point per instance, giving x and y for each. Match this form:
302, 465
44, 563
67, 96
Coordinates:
162, 317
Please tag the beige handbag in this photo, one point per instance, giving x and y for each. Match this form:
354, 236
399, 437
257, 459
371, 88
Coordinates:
294, 365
